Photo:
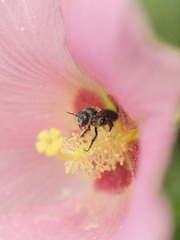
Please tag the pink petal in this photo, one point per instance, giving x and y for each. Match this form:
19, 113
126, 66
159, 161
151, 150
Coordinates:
88, 217
38, 82
36, 68
148, 213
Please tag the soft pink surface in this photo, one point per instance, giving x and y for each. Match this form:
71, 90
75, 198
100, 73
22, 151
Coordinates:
36, 71
92, 216
38, 82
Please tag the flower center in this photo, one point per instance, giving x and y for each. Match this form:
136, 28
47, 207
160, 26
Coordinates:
109, 150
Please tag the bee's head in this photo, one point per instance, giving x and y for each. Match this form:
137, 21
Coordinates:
82, 118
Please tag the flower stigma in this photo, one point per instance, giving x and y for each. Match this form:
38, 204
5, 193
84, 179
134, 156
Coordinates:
109, 150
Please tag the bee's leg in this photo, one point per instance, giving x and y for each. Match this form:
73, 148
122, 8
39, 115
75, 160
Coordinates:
93, 139
110, 124
85, 131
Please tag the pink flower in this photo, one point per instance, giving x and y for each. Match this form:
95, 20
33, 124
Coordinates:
40, 82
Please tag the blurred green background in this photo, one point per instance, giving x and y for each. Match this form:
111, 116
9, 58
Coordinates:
165, 19
172, 187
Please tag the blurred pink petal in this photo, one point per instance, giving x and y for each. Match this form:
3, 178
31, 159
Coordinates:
39, 83
89, 217
36, 71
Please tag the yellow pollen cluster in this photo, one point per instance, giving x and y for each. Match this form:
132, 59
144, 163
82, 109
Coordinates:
109, 149
49, 142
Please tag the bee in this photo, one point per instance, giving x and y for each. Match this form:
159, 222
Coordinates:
95, 117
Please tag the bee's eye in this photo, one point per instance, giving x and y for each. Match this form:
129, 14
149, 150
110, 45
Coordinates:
82, 119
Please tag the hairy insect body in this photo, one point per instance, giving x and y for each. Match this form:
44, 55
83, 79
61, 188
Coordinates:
95, 117
87, 117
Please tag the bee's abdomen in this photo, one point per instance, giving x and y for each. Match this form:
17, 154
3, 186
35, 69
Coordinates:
110, 114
